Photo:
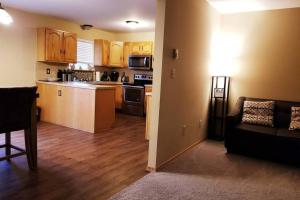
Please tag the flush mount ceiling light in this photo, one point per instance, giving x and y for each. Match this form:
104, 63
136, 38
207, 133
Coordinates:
5, 18
132, 23
86, 27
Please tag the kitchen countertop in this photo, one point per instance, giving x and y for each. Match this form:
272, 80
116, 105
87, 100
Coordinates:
148, 85
148, 94
83, 85
107, 83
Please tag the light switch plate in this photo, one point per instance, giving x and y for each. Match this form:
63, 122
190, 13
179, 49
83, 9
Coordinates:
48, 71
173, 73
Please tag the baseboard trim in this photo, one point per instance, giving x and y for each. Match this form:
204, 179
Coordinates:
151, 169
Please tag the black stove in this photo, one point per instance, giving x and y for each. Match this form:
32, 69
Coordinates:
134, 94
141, 80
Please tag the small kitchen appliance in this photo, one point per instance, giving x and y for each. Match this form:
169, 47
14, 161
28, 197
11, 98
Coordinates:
114, 76
140, 62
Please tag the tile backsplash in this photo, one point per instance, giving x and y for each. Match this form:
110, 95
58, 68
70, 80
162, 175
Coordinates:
41, 71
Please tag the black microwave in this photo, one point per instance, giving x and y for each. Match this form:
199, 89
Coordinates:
140, 62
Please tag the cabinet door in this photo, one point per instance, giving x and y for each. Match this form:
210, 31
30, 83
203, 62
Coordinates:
119, 97
136, 48
127, 52
54, 51
116, 54
70, 47
147, 89
65, 106
106, 52
83, 107
146, 48
48, 102
101, 52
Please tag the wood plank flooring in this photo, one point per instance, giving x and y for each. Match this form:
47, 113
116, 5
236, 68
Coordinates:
77, 165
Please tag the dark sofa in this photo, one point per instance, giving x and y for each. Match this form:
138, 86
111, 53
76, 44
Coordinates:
275, 143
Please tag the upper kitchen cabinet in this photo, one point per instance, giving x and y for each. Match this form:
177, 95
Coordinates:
127, 52
141, 48
116, 54
101, 52
70, 47
147, 48
56, 46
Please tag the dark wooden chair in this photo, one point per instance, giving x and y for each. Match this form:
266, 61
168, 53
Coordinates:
18, 112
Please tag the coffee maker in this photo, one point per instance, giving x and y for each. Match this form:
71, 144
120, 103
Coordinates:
114, 76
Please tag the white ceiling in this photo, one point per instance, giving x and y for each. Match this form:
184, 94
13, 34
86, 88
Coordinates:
234, 6
104, 14
111, 14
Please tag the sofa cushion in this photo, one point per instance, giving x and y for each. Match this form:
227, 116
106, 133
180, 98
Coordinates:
295, 118
256, 129
259, 113
282, 132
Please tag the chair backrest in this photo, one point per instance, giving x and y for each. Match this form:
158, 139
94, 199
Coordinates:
16, 108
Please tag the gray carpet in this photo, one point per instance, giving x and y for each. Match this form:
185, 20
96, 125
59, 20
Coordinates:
208, 173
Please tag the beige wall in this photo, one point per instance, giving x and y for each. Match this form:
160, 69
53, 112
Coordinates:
268, 65
189, 26
18, 46
157, 76
143, 36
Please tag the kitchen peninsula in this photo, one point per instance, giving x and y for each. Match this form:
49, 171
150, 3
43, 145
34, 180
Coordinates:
81, 106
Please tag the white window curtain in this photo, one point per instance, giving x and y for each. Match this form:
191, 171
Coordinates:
85, 54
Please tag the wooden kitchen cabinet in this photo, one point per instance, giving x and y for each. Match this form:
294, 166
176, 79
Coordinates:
146, 48
101, 52
84, 109
148, 116
56, 46
127, 52
67, 106
148, 88
119, 97
116, 54
141, 48
70, 47
48, 101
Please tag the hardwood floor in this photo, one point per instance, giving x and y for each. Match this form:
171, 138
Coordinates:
77, 165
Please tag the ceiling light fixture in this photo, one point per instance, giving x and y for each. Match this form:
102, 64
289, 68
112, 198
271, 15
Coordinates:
132, 24
5, 18
86, 27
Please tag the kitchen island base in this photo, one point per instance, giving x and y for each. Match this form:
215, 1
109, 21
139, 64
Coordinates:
86, 107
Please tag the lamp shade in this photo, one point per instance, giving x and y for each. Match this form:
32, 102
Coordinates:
5, 18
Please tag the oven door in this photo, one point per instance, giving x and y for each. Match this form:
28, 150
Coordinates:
133, 95
140, 62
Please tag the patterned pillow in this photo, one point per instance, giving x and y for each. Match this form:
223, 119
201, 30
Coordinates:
295, 119
259, 113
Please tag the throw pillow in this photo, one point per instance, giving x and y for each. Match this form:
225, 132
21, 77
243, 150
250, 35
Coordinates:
258, 113
295, 119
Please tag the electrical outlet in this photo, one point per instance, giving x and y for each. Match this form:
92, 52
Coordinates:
48, 71
183, 129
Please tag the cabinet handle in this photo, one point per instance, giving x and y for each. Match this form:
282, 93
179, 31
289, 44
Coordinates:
59, 93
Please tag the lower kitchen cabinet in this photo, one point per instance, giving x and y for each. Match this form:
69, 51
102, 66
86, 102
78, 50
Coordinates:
148, 88
84, 109
119, 96
148, 116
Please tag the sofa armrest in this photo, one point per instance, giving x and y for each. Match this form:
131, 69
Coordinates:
233, 118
